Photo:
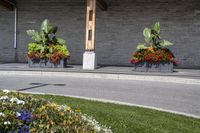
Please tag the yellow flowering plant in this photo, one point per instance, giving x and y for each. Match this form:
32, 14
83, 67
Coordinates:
24, 114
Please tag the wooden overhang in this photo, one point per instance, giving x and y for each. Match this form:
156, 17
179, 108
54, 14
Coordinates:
102, 5
8, 4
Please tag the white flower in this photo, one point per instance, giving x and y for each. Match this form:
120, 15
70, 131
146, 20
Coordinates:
18, 114
97, 127
7, 123
62, 107
6, 91
4, 97
13, 99
2, 114
20, 102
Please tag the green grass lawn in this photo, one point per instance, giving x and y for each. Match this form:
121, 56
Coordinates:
126, 119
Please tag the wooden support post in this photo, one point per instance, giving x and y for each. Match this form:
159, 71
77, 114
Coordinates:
6, 4
89, 57
90, 25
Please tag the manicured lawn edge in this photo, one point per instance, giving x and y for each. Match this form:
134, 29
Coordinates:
119, 103
129, 119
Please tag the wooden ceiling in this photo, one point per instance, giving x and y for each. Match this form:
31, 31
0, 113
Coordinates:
102, 4
8, 4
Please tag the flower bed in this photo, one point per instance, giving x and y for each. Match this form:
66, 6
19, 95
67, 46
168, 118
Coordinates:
153, 55
23, 114
47, 50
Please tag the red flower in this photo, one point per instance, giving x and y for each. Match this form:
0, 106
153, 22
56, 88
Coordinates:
136, 54
147, 58
33, 55
170, 56
159, 54
135, 61
153, 55
56, 57
176, 62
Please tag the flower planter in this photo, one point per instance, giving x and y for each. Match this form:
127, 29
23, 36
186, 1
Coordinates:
164, 67
61, 64
41, 63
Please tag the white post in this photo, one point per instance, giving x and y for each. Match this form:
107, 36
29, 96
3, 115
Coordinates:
15, 28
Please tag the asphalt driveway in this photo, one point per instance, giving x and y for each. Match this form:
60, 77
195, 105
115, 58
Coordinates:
170, 96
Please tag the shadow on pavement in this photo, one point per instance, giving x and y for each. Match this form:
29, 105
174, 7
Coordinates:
38, 85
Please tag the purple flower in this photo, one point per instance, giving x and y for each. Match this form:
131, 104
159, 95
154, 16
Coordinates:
26, 116
24, 129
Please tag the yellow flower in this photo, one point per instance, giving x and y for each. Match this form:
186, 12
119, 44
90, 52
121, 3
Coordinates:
64, 122
41, 126
47, 117
62, 114
33, 130
54, 105
42, 108
68, 109
70, 122
51, 122
78, 110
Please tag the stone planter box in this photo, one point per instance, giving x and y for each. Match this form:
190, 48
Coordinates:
41, 63
164, 67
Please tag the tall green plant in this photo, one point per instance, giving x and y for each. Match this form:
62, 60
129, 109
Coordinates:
47, 34
152, 38
46, 45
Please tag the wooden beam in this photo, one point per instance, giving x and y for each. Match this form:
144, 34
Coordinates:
6, 4
102, 5
90, 25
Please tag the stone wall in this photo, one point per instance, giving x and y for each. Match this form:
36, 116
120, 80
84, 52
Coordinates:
119, 29
7, 51
68, 15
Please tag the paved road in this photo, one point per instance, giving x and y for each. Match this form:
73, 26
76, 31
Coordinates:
177, 97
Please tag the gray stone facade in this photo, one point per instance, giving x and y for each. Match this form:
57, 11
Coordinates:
7, 52
119, 29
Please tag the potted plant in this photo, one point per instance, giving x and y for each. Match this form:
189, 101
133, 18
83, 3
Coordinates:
153, 55
47, 50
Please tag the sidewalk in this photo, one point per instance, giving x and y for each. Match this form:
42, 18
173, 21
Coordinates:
188, 76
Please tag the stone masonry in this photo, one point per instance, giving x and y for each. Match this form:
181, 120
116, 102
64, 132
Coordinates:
119, 29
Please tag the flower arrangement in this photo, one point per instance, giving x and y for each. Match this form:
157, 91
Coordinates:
46, 45
154, 49
23, 114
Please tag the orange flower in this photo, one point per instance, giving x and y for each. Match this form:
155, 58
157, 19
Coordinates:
151, 49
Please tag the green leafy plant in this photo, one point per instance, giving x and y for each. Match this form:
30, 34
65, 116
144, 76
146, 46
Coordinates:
44, 42
154, 48
153, 39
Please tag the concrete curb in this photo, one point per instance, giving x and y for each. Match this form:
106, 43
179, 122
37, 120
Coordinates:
165, 79
119, 103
